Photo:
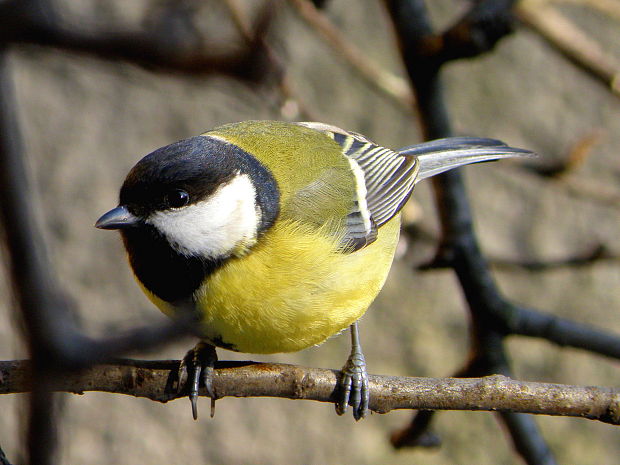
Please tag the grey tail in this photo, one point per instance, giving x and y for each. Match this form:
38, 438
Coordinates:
442, 155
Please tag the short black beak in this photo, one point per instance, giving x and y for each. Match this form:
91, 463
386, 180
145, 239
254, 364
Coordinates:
117, 218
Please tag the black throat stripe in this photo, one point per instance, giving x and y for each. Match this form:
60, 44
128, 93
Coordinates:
201, 163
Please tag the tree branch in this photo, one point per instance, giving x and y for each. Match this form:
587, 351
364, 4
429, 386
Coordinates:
292, 106
394, 87
417, 433
54, 341
170, 43
3, 459
572, 42
527, 439
156, 380
563, 332
424, 55
594, 254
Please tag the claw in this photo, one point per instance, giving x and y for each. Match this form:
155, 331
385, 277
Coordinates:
354, 381
345, 392
199, 364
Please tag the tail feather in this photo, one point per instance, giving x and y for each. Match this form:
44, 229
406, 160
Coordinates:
442, 155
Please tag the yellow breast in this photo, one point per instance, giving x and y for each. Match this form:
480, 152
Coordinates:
293, 290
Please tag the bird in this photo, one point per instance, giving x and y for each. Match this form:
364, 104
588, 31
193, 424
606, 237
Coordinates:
274, 236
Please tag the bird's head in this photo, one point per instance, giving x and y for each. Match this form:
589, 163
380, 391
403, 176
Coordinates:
207, 198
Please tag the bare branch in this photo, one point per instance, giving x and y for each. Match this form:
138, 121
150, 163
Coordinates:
34, 286
172, 43
477, 32
417, 433
293, 107
527, 439
571, 41
3, 459
388, 84
594, 254
155, 380
459, 248
563, 332
46, 311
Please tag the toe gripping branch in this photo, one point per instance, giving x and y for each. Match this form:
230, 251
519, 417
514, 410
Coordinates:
353, 383
198, 367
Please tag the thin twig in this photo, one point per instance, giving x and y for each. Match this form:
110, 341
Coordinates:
595, 254
569, 39
293, 107
385, 82
577, 156
155, 380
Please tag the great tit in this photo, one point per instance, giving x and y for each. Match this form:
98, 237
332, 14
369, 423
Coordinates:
275, 235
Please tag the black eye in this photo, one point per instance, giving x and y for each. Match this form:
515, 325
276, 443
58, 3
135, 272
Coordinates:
177, 198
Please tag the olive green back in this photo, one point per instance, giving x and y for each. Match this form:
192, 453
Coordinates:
314, 177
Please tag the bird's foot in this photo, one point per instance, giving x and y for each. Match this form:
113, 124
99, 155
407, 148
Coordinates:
353, 386
198, 366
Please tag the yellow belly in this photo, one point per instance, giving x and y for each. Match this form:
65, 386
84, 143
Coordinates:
293, 290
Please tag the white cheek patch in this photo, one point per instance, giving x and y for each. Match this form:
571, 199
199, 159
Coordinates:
214, 227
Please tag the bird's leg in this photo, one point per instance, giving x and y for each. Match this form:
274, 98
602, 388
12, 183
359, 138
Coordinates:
198, 365
353, 382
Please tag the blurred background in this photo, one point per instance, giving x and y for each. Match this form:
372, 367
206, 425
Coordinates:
86, 121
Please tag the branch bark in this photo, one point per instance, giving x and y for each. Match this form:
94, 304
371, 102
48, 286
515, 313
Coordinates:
157, 380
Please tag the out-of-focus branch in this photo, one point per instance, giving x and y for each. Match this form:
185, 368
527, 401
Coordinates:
424, 55
417, 433
577, 156
591, 190
529, 322
293, 107
33, 285
54, 342
376, 76
3, 459
563, 332
319, 3
174, 46
607, 7
592, 255
477, 32
493, 317
571, 41
526, 439
156, 380
595, 254
564, 172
